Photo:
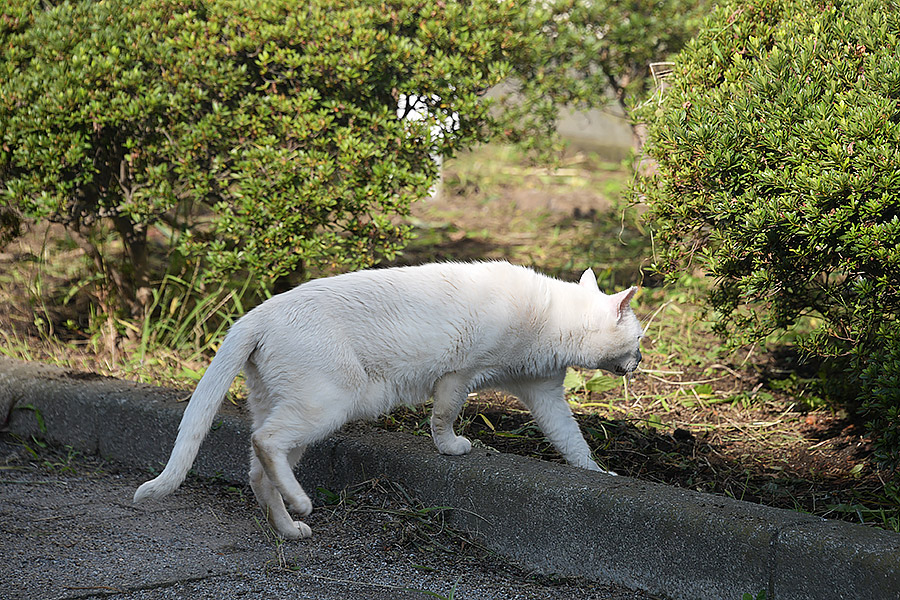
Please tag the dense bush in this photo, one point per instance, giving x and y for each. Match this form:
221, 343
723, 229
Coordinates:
880, 398
259, 135
262, 136
778, 150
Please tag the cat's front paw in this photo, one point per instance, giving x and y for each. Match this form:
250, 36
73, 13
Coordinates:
454, 446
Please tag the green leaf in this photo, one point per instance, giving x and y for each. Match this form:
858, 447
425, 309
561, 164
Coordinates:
487, 422
574, 380
655, 422
703, 389
601, 382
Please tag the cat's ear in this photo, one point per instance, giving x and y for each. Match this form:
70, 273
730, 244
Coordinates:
589, 280
622, 300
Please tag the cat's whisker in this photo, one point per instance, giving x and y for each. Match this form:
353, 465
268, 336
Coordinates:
646, 327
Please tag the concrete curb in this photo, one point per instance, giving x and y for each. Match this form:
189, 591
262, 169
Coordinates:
557, 519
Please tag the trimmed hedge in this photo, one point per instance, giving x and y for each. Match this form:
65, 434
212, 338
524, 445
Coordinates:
257, 136
778, 151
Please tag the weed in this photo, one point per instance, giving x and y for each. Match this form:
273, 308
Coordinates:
63, 463
330, 498
236, 491
181, 315
742, 422
449, 596
39, 418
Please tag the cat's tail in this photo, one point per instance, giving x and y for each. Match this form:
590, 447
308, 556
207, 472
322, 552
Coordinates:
240, 342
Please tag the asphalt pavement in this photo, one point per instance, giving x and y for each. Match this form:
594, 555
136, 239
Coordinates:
413, 523
68, 529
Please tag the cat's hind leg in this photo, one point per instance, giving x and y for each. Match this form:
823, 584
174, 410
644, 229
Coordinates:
271, 445
272, 503
450, 392
262, 402
294, 423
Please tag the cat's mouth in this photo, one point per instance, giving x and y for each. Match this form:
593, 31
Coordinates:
627, 369
628, 374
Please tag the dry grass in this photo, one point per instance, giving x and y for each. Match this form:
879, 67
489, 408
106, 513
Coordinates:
749, 424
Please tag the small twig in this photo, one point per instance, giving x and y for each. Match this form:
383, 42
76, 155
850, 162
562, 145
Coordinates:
727, 368
653, 316
27, 482
660, 371
373, 584
53, 518
695, 382
215, 516
749, 353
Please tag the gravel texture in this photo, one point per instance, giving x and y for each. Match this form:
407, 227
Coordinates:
68, 530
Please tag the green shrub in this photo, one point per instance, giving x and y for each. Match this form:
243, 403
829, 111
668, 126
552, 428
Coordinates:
778, 151
255, 135
261, 136
880, 399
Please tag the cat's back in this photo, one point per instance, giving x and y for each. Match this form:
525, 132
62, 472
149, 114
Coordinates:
406, 324
437, 278
423, 292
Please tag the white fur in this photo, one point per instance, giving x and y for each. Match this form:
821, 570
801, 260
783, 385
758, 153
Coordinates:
353, 346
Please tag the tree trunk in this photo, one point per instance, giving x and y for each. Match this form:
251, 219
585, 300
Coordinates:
135, 275
128, 284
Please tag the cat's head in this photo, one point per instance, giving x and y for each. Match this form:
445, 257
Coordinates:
612, 332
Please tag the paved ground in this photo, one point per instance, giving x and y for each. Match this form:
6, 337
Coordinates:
68, 529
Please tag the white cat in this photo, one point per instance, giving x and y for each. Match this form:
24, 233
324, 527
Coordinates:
353, 346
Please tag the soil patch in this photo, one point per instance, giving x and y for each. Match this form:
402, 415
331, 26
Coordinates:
743, 425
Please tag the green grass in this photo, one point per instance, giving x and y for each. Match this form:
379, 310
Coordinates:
737, 422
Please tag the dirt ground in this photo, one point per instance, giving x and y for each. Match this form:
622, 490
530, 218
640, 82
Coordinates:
747, 424
69, 530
